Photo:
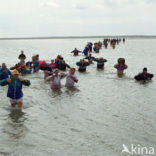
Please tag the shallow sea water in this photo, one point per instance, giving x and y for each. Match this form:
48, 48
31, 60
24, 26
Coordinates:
95, 118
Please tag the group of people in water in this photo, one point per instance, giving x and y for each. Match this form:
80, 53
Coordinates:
51, 70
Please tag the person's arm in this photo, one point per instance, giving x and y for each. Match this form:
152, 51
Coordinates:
9, 72
49, 78
12, 68
96, 59
79, 51
1, 72
93, 58
67, 66
150, 76
78, 63
74, 78
87, 63
5, 82
105, 60
137, 77
86, 58
25, 82
115, 66
126, 66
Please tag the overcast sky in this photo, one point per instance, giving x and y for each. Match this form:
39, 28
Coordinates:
27, 18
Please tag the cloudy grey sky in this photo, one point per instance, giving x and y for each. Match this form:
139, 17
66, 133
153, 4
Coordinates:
27, 18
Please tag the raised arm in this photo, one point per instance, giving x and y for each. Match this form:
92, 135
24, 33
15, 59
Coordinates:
126, 66
67, 66
25, 82
78, 63
115, 66
5, 82
79, 51
49, 78
137, 77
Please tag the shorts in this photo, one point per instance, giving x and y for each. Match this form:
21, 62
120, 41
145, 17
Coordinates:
55, 86
12, 101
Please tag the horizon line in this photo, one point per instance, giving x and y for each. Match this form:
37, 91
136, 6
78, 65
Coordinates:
66, 37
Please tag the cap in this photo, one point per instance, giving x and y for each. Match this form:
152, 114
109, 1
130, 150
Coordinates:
15, 72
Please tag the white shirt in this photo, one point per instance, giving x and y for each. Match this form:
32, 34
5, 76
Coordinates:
55, 80
69, 81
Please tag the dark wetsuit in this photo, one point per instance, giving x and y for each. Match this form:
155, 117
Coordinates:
90, 58
82, 67
22, 56
141, 76
63, 66
100, 63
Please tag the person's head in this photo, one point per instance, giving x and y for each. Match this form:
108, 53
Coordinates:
3, 65
82, 61
15, 74
28, 64
145, 71
56, 72
121, 61
72, 71
37, 55
101, 58
90, 55
52, 61
22, 52
63, 62
75, 48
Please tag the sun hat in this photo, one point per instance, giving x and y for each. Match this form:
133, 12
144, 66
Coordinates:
15, 72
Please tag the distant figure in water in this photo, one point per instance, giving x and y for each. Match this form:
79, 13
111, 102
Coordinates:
35, 62
90, 58
124, 40
15, 88
22, 57
100, 62
55, 79
4, 72
76, 52
82, 65
120, 66
144, 76
52, 64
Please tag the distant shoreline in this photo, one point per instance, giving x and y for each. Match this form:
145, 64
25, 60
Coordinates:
79, 37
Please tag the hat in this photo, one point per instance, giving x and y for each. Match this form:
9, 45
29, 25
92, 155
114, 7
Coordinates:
15, 72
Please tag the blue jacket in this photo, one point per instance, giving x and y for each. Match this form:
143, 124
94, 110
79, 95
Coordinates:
14, 88
85, 51
4, 75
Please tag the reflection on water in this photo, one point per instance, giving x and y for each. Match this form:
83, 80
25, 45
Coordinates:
56, 93
15, 127
71, 90
16, 115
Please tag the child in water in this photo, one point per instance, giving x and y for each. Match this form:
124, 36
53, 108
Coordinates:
120, 66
